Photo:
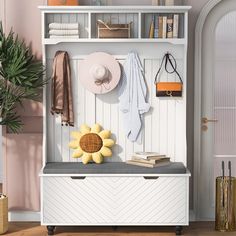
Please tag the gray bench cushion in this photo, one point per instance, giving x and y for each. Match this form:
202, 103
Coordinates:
111, 168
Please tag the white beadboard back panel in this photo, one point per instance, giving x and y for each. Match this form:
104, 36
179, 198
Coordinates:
164, 126
115, 200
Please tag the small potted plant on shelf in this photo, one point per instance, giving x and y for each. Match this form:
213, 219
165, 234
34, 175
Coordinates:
21, 77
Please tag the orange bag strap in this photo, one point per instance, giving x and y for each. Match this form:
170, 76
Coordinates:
168, 58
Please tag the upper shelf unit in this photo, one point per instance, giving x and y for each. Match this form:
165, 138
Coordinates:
140, 17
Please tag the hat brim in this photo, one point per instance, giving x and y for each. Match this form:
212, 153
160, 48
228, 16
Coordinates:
88, 80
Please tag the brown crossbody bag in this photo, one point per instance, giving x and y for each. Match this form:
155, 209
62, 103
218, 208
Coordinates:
168, 89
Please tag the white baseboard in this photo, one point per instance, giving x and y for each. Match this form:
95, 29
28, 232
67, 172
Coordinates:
22, 216
31, 216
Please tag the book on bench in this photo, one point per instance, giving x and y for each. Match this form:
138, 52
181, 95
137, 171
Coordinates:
149, 159
150, 165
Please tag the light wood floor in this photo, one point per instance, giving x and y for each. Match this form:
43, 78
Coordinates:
34, 229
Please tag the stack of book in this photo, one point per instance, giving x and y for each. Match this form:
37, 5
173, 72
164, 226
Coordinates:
149, 159
164, 26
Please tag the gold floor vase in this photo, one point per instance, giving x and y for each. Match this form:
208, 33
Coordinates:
225, 204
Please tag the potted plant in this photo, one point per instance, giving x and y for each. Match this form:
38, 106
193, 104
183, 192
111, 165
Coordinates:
21, 77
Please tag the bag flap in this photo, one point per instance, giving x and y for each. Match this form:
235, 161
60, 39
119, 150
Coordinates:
169, 86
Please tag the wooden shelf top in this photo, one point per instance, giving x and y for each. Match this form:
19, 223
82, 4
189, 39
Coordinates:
116, 8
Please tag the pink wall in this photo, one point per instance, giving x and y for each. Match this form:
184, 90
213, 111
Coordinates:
22, 165
24, 17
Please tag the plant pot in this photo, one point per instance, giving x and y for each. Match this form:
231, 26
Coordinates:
155, 2
63, 2
169, 2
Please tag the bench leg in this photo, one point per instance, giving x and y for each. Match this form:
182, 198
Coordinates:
51, 229
178, 230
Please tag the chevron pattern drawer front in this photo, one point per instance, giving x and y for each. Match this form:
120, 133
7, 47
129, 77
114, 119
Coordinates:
115, 201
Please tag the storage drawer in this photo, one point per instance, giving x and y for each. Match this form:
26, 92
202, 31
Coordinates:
115, 200
70, 201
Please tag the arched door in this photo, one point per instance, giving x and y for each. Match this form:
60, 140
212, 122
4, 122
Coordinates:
218, 103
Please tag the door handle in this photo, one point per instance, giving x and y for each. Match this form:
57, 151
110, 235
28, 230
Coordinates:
206, 120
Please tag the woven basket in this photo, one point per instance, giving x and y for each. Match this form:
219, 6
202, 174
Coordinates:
3, 215
113, 30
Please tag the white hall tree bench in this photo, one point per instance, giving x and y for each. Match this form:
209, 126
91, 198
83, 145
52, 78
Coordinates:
113, 193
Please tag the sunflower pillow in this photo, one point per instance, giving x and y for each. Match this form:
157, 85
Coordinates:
91, 144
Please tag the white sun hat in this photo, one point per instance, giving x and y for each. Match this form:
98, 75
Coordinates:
99, 73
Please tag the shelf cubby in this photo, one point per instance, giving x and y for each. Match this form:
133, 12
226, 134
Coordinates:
147, 18
116, 18
81, 18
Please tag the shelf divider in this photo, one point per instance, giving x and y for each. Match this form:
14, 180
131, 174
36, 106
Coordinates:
89, 25
139, 25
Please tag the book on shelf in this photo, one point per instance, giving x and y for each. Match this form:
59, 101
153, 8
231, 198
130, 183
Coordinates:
151, 30
151, 161
170, 26
149, 155
164, 27
149, 165
176, 26
156, 26
160, 26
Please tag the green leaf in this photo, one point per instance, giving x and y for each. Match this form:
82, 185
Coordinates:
21, 77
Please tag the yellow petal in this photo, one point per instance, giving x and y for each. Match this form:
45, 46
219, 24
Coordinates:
86, 158
97, 157
106, 152
76, 135
74, 144
77, 153
105, 134
108, 142
96, 129
85, 129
